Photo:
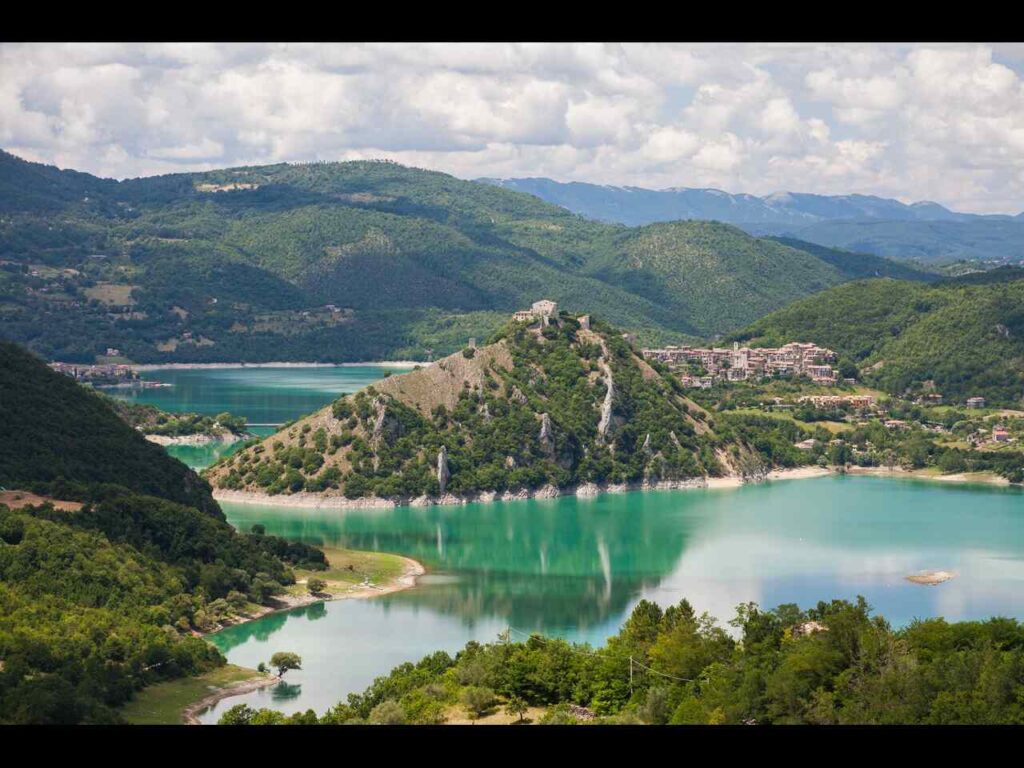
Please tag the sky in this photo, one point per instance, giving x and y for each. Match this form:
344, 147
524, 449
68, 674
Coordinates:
942, 122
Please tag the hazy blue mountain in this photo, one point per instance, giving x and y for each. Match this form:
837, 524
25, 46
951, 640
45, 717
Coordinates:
864, 223
982, 238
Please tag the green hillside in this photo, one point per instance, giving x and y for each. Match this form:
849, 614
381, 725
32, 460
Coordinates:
716, 274
559, 405
351, 261
52, 428
964, 335
105, 579
858, 265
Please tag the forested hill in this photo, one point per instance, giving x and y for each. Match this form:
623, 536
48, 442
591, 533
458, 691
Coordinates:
353, 261
554, 406
966, 336
54, 429
102, 597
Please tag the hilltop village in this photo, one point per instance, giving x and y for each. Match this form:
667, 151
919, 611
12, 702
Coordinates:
800, 382
743, 363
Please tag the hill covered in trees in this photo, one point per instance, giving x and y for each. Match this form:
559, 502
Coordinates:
963, 336
101, 600
540, 406
352, 261
832, 664
54, 429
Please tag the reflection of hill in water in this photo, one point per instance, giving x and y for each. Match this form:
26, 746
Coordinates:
565, 562
533, 602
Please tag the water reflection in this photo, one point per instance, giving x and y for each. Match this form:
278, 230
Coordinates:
576, 567
284, 692
543, 564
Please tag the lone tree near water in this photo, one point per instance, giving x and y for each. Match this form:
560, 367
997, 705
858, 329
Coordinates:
316, 586
284, 661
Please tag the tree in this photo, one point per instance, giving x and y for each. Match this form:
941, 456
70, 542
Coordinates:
285, 661
477, 700
316, 586
388, 712
516, 707
240, 714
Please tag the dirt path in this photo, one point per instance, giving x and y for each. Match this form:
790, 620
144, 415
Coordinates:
19, 499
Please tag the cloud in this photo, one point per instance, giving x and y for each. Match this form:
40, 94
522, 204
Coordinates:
943, 122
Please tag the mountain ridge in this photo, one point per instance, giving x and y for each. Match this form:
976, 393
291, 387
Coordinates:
342, 262
867, 223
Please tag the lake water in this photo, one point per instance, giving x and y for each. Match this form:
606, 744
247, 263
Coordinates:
264, 396
576, 567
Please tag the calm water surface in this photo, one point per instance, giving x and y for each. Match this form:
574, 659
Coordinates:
576, 567
264, 396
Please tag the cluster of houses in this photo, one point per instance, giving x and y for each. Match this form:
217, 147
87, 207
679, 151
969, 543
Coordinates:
102, 375
743, 363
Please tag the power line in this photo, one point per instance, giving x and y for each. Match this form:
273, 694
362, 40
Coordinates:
663, 674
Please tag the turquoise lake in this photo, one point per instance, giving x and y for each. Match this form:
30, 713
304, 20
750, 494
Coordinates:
576, 567
264, 396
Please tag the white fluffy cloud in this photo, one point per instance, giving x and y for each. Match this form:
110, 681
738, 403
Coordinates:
915, 122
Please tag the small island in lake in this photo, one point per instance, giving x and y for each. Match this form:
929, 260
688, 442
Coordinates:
165, 428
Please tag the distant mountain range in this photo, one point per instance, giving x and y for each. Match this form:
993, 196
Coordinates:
926, 231
339, 262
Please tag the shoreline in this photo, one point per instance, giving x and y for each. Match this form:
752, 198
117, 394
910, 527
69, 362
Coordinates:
305, 500
202, 438
190, 715
586, 490
406, 580
977, 478
200, 366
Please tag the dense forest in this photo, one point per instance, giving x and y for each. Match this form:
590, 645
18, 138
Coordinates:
101, 598
833, 664
54, 429
963, 337
354, 261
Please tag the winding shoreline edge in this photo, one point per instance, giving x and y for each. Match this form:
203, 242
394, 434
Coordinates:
407, 580
588, 490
